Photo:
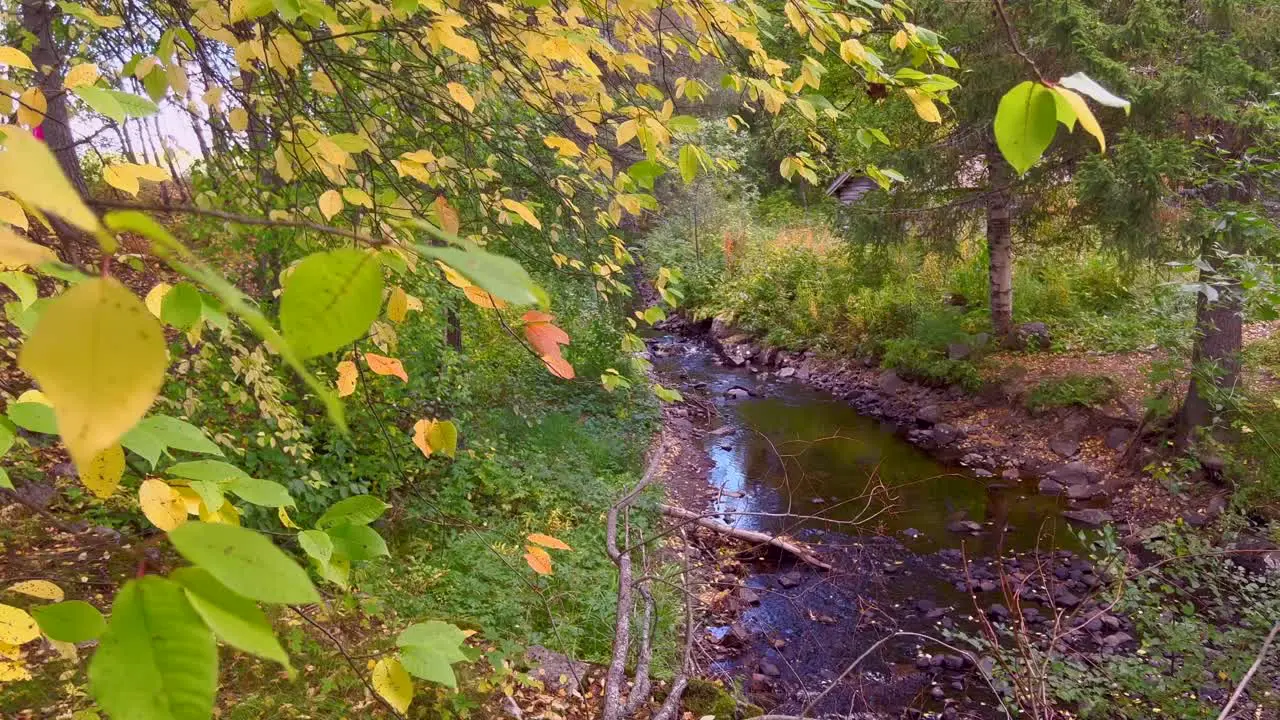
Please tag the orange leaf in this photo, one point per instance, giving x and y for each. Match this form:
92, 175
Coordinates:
538, 559
347, 376
483, 299
454, 277
558, 366
545, 338
420, 430
383, 365
534, 316
548, 541
448, 216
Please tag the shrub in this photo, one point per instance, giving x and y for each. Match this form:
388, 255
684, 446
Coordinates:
1068, 390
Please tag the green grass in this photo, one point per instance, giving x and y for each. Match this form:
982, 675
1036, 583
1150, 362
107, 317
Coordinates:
1070, 390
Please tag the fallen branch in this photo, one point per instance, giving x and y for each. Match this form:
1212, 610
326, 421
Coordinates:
750, 536
1244, 682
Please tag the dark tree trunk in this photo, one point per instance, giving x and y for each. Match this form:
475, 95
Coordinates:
453, 329
37, 19
999, 245
1215, 359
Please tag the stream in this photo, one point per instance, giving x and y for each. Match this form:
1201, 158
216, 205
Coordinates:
900, 525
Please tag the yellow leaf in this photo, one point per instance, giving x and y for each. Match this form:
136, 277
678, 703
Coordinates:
66, 651
154, 173
31, 173
12, 213
412, 303
348, 374
16, 626
321, 83
481, 298
422, 157
900, 40
851, 50
538, 559
398, 305
10, 652
102, 474
548, 541
162, 505
144, 68
225, 515
212, 96
626, 131
13, 57
285, 520
31, 107
420, 429
1084, 115
42, 589
461, 96
191, 500
80, 75
120, 178
356, 196
453, 276
331, 152
392, 682
12, 671
16, 251
562, 145
238, 119
155, 297
523, 211
99, 356
330, 204
383, 365
448, 217
924, 106
34, 396
177, 78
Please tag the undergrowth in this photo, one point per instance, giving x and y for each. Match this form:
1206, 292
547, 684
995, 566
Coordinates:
1068, 390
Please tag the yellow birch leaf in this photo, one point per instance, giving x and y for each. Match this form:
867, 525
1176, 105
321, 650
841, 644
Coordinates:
81, 75
356, 196
348, 374
392, 682
66, 651
453, 276
461, 96
155, 297
212, 96
31, 173
121, 178
162, 505
321, 83
31, 107
1084, 115
103, 473
900, 40
383, 365
548, 541
99, 356
177, 78
523, 211
11, 212
238, 119
421, 157
447, 215
16, 251
144, 68
398, 305
330, 204
412, 303
420, 429
538, 559
626, 131
16, 626
42, 589
330, 151
480, 298
563, 146
285, 520
13, 57
924, 106
191, 500
442, 436
13, 671
34, 396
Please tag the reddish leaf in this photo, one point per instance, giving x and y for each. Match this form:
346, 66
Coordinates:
383, 365
538, 559
548, 541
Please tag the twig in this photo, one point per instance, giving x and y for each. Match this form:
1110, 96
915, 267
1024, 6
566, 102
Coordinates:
747, 535
1013, 40
1257, 662
350, 661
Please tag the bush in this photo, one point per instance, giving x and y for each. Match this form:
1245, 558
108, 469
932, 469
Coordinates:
918, 360
1068, 390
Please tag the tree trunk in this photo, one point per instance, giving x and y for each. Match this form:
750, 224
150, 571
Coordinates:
37, 19
999, 245
1215, 359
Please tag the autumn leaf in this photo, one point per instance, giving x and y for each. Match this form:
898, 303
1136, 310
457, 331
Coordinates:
392, 682
480, 298
461, 96
448, 216
538, 559
42, 589
330, 204
163, 506
522, 211
398, 305
383, 365
348, 374
559, 366
548, 541
102, 474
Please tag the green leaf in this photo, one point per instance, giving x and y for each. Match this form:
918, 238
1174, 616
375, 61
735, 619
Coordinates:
210, 494
7, 435
497, 275
1025, 124
22, 285
330, 300
156, 83
235, 619
179, 434
144, 443
316, 544
33, 416
244, 561
429, 649
265, 493
355, 510
358, 542
73, 621
1066, 114
214, 471
689, 163
1086, 85
156, 660
181, 306
5, 482
115, 104
645, 173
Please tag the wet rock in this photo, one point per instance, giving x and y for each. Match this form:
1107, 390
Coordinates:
944, 434
1066, 599
1073, 473
922, 663
929, 414
786, 372
960, 526
723, 430
924, 605
749, 596
889, 382
953, 662
1116, 437
1115, 640
790, 580
1010, 473
737, 393
1064, 446
937, 693
950, 712
987, 586
1089, 516
998, 612
556, 671
1110, 622
720, 328
912, 533
761, 682
935, 613
1048, 486
1086, 492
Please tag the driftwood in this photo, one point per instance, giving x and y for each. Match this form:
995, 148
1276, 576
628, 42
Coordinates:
750, 536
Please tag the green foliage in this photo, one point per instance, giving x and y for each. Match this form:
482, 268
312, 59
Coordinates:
1069, 390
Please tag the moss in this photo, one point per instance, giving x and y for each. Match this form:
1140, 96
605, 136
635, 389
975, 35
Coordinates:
704, 697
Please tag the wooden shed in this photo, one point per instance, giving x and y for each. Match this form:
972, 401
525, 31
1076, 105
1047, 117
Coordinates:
849, 188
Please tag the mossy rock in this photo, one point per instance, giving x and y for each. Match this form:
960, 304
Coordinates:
703, 697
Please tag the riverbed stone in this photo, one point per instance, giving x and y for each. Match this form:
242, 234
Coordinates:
1115, 640
889, 382
929, 414
1086, 492
737, 393
1064, 446
786, 372
998, 612
1073, 473
1089, 516
790, 580
1116, 437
